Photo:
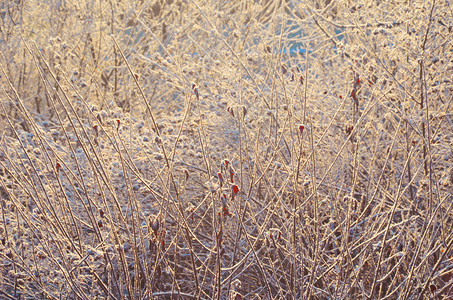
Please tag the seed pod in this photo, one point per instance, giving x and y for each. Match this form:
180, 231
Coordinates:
231, 175
235, 189
220, 179
226, 212
230, 110
301, 128
195, 90
349, 129
353, 95
95, 127
224, 165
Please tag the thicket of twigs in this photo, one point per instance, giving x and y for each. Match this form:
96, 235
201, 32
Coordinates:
226, 149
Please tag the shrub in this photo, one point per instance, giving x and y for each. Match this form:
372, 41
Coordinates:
226, 149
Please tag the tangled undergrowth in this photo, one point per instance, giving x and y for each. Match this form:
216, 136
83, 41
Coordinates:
226, 149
